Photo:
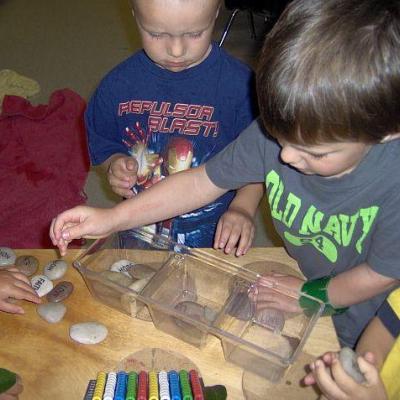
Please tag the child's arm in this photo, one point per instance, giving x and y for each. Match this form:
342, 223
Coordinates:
350, 287
175, 195
377, 340
16, 285
236, 226
357, 284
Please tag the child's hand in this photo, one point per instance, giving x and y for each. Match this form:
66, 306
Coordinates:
122, 175
16, 285
336, 384
268, 297
14, 391
78, 222
235, 228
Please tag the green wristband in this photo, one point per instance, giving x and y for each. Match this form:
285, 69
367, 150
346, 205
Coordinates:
7, 380
318, 288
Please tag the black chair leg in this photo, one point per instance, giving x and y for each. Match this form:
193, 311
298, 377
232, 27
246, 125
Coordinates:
228, 26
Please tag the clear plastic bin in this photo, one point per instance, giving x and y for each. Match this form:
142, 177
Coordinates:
192, 295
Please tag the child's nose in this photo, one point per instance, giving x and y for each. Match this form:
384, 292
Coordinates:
290, 155
176, 47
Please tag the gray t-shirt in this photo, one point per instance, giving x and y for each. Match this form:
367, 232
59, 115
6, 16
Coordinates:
329, 225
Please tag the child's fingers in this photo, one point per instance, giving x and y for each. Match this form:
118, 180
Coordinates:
132, 165
246, 239
346, 383
126, 193
233, 239
20, 276
370, 357
225, 235
24, 293
328, 358
217, 236
369, 370
325, 382
15, 390
10, 308
309, 379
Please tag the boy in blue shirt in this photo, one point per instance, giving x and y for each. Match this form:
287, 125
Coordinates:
172, 106
327, 149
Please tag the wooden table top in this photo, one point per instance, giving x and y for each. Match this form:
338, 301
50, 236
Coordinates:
53, 366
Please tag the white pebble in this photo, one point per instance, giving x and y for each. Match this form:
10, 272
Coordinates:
55, 269
88, 332
122, 266
52, 312
41, 284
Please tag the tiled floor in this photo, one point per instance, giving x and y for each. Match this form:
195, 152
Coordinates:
73, 44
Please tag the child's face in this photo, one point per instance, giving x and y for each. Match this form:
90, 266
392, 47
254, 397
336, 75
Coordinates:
176, 34
329, 160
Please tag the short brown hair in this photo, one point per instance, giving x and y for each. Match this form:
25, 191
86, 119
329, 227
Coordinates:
330, 71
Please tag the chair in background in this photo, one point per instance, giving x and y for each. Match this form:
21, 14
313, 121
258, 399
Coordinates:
269, 9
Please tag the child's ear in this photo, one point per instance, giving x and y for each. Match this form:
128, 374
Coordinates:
390, 137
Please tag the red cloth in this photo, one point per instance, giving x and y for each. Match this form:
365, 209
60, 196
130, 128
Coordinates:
43, 166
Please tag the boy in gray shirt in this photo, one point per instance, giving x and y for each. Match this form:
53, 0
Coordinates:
326, 147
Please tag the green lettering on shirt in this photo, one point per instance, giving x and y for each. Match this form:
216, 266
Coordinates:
323, 232
311, 221
368, 216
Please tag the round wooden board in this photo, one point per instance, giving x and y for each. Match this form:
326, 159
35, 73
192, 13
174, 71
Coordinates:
155, 359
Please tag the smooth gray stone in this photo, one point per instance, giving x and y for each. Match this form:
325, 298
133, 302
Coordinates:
210, 314
141, 271
52, 312
55, 269
192, 309
240, 307
41, 284
28, 265
270, 318
88, 332
117, 277
7, 256
60, 292
348, 359
122, 266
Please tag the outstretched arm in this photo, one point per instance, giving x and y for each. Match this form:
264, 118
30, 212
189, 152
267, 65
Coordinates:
350, 287
175, 195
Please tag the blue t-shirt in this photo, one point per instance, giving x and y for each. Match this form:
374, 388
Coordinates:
171, 121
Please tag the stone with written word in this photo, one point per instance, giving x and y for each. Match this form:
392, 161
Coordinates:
60, 292
55, 269
7, 256
28, 265
122, 266
41, 284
